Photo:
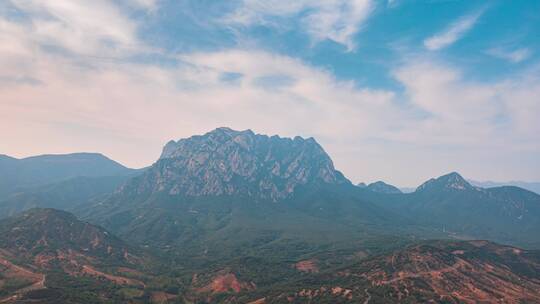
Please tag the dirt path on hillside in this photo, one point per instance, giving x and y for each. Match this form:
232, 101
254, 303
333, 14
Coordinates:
20, 272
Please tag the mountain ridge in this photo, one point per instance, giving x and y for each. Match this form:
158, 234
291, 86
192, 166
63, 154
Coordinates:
531, 186
225, 162
21, 174
234, 216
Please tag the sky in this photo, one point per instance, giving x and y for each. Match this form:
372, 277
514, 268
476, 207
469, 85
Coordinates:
398, 90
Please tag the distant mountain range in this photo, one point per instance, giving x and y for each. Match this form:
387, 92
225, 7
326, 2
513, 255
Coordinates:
19, 174
531, 186
57, 181
506, 214
66, 194
235, 217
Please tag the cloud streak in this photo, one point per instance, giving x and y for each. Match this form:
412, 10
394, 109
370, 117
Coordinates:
453, 33
513, 56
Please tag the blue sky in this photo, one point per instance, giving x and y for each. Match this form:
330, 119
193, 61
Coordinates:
393, 90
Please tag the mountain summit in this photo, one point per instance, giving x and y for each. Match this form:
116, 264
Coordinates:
451, 181
229, 162
383, 187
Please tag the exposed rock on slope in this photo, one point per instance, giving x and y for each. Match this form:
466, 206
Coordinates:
228, 162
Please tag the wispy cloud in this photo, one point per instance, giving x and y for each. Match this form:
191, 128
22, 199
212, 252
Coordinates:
95, 27
453, 33
336, 20
472, 113
392, 3
514, 56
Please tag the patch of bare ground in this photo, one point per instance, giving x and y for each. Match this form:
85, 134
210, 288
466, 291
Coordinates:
131, 271
89, 270
226, 283
309, 266
11, 271
313, 294
479, 243
258, 301
160, 297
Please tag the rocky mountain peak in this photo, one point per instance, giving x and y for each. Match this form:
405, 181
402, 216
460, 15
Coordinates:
226, 162
209, 141
452, 181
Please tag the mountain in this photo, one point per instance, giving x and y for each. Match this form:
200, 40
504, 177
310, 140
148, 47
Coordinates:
383, 187
205, 191
531, 186
449, 182
228, 162
52, 233
434, 271
235, 217
48, 255
20, 174
230, 192
452, 205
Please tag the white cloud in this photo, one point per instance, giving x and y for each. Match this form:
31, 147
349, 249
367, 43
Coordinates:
471, 114
453, 33
336, 20
514, 56
148, 4
95, 27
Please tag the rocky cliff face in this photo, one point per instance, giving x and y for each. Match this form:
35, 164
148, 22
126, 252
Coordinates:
228, 162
